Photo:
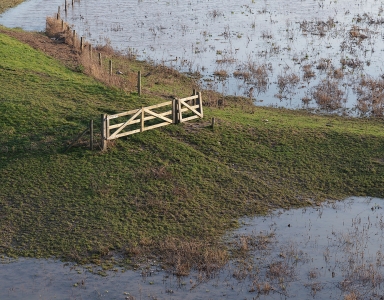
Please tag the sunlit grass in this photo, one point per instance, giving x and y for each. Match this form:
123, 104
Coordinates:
184, 183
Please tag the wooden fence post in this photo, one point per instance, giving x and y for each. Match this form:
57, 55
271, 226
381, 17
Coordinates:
110, 67
104, 141
107, 127
81, 44
213, 122
62, 25
100, 61
91, 135
74, 38
142, 119
90, 51
200, 103
58, 13
175, 115
139, 83
65, 6
179, 112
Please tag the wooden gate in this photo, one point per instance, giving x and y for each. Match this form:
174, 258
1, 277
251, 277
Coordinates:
190, 104
163, 114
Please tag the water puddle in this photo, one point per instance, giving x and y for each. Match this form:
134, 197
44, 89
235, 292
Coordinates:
327, 252
297, 54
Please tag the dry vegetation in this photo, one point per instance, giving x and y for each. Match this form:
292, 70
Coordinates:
328, 95
94, 61
256, 74
371, 96
221, 73
319, 28
287, 83
6, 4
308, 72
181, 256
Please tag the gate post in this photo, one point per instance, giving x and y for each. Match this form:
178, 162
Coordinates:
175, 112
200, 103
104, 141
142, 119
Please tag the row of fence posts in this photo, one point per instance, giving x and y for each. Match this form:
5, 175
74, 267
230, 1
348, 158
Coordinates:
90, 50
65, 8
82, 45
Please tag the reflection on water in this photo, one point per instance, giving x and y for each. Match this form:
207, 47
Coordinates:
325, 252
276, 52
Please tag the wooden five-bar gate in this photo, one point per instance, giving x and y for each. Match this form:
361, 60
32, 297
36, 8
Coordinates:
151, 117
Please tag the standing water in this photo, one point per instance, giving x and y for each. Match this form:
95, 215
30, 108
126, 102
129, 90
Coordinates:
331, 251
302, 53
280, 53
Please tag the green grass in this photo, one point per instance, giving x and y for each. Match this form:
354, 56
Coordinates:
186, 181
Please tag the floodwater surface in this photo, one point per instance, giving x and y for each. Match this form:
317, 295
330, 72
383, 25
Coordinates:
299, 53
331, 251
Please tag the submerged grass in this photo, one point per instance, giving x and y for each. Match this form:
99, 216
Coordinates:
176, 189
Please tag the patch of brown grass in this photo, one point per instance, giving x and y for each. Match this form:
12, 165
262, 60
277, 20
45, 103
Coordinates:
242, 75
181, 256
305, 100
338, 73
221, 73
260, 73
264, 288
323, 64
245, 243
352, 296
319, 28
308, 72
371, 97
287, 83
356, 32
351, 62
328, 95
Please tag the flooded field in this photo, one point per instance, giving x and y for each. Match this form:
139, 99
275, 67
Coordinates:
332, 251
312, 54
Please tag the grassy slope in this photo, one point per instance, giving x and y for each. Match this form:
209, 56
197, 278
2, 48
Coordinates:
6, 4
186, 181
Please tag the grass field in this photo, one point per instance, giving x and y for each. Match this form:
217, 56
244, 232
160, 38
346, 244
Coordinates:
162, 190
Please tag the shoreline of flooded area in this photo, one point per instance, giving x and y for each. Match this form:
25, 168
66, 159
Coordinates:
333, 250
303, 54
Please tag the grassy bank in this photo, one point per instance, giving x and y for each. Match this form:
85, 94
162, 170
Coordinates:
7, 4
167, 189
